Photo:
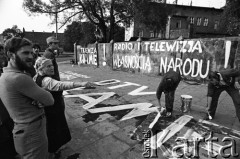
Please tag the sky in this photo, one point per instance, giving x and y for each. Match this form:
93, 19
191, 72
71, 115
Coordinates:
12, 13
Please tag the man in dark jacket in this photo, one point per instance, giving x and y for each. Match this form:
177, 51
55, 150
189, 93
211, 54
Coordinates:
224, 80
168, 85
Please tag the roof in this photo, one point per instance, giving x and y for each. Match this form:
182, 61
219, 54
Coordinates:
196, 7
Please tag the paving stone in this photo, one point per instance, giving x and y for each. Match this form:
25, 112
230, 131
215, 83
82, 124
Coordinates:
140, 99
134, 152
109, 147
88, 153
74, 113
99, 128
79, 123
124, 134
124, 123
67, 151
82, 138
104, 128
103, 117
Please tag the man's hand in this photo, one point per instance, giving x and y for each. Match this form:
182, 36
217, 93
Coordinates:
89, 84
37, 103
237, 85
162, 110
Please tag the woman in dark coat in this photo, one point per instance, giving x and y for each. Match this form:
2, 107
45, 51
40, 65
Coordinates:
57, 128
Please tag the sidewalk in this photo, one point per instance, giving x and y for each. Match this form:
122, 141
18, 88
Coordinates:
107, 137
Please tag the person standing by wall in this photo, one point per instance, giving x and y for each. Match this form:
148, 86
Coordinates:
19, 95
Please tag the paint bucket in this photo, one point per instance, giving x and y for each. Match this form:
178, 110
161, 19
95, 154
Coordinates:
186, 103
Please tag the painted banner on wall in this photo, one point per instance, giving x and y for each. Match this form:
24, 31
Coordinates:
105, 54
193, 58
87, 55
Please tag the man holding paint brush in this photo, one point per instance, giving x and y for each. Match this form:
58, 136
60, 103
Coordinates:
225, 80
168, 85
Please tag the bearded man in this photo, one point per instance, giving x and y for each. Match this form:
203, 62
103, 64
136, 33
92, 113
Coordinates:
19, 94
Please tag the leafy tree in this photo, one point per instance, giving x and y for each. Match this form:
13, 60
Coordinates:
104, 14
13, 32
153, 15
230, 19
81, 33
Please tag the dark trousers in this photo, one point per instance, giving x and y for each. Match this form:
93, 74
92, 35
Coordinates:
169, 100
233, 92
7, 149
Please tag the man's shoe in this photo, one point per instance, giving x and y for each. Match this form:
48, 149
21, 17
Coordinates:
208, 117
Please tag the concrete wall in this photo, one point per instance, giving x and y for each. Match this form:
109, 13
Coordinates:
194, 58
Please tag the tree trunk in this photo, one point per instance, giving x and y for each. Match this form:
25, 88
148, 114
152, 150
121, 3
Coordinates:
103, 30
111, 32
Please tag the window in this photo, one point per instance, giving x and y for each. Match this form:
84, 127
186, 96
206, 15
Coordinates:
216, 24
178, 24
199, 21
205, 22
191, 20
151, 34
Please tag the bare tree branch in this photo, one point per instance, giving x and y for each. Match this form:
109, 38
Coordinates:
68, 19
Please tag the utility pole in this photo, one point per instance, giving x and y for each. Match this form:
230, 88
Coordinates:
56, 17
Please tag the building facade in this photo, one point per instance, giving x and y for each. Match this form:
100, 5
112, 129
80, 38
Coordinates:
185, 21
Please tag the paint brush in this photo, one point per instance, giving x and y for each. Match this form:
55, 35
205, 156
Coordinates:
155, 120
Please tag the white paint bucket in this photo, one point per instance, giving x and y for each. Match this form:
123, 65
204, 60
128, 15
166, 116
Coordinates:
186, 103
